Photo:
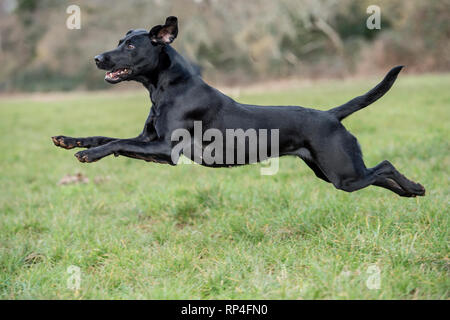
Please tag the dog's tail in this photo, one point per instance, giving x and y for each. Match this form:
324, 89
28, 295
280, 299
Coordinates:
370, 97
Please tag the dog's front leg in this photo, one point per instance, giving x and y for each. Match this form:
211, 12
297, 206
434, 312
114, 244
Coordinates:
88, 142
147, 150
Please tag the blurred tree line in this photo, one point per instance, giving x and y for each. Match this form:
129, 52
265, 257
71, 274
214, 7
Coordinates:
232, 41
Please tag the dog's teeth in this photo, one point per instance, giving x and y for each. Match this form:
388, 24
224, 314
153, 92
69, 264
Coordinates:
115, 74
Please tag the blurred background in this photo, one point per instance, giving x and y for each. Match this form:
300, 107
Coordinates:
146, 231
234, 42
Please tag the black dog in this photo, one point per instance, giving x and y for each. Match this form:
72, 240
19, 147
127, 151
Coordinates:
180, 97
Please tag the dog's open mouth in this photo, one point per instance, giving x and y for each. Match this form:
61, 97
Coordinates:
117, 74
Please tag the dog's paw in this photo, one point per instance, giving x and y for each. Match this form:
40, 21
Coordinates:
414, 190
418, 189
86, 156
65, 142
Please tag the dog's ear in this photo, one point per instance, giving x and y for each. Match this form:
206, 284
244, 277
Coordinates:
165, 34
129, 31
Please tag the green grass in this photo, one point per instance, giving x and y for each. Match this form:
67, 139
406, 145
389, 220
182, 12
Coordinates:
156, 231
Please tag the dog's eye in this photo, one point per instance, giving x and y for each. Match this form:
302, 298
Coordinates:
130, 46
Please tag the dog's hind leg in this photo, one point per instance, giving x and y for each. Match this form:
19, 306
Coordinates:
340, 159
305, 155
382, 175
392, 179
391, 185
314, 167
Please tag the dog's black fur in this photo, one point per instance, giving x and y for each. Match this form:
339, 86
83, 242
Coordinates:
180, 97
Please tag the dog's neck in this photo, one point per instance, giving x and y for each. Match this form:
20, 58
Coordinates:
172, 69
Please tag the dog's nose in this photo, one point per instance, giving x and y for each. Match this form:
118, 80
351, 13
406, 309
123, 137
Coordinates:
99, 58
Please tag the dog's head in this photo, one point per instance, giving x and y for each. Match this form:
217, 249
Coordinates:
137, 53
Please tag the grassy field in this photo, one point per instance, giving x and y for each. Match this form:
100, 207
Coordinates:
153, 231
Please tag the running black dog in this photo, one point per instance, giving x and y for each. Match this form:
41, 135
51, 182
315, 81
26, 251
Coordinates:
180, 97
